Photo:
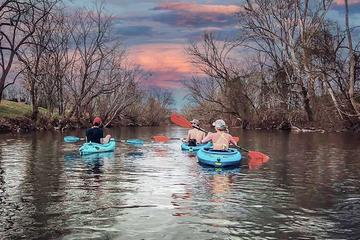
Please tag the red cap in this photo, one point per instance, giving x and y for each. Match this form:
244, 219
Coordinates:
97, 120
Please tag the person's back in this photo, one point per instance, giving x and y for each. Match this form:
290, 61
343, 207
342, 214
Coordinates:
195, 136
220, 139
94, 134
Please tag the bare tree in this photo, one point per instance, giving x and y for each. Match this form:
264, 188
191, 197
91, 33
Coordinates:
57, 58
92, 58
284, 30
32, 56
18, 22
352, 63
227, 85
127, 93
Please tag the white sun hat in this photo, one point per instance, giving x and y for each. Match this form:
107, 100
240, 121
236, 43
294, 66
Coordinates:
219, 124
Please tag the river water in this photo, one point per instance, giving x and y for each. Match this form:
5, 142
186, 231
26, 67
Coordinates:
309, 189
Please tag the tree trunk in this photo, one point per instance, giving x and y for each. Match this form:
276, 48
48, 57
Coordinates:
309, 94
352, 70
35, 110
1, 93
307, 105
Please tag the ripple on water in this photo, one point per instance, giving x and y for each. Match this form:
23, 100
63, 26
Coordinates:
308, 190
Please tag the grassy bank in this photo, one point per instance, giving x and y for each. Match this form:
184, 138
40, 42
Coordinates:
16, 117
9, 109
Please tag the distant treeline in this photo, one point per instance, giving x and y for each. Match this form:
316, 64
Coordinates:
289, 64
70, 62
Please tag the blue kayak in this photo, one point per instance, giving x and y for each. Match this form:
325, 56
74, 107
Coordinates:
90, 148
217, 158
186, 147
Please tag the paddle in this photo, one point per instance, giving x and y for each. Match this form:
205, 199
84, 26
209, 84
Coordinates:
183, 122
73, 139
159, 138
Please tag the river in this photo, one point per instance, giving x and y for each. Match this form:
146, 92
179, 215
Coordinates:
309, 189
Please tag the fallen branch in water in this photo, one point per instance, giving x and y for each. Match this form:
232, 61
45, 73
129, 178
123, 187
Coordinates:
297, 129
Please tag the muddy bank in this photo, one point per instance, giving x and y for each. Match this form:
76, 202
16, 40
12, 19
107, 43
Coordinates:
25, 124
303, 126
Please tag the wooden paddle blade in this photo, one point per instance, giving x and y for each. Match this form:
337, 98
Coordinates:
258, 155
160, 138
180, 120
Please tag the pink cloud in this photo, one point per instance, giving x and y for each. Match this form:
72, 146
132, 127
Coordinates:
167, 63
342, 2
201, 8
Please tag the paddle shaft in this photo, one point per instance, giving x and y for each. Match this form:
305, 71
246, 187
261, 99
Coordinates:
76, 139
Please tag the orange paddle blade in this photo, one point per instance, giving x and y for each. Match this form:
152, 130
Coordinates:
180, 120
258, 155
160, 138
256, 163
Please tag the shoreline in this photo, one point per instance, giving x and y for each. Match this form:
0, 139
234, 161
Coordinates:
26, 125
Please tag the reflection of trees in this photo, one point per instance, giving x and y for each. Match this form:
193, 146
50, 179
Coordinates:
310, 168
318, 172
12, 170
32, 183
43, 185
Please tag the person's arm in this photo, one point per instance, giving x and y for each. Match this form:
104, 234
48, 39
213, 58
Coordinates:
101, 135
207, 138
188, 136
203, 135
232, 141
86, 134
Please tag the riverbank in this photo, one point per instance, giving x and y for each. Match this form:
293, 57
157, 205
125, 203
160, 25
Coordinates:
16, 117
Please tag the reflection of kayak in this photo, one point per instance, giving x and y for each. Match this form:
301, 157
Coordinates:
98, 156
216, 158
90, 148
134, 154
186, 147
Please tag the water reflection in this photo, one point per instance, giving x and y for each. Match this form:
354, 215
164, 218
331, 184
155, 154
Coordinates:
256, 163
310, 189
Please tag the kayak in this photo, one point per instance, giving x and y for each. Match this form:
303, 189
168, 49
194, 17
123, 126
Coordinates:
89, 148
217, 158
186, 147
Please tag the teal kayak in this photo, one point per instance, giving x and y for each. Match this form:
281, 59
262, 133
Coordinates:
217, 158
186, 147
90, 148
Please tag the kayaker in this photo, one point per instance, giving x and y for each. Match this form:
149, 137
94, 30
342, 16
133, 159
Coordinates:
95, 134
195, 136
221, 139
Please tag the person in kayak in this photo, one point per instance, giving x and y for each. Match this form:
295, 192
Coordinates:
220, 139
195, 136
95, 134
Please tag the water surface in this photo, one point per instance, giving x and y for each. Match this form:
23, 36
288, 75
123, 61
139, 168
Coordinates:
309, 189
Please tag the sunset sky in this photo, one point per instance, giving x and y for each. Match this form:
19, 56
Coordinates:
156, 32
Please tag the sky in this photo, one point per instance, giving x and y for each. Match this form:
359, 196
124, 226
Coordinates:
156, 33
